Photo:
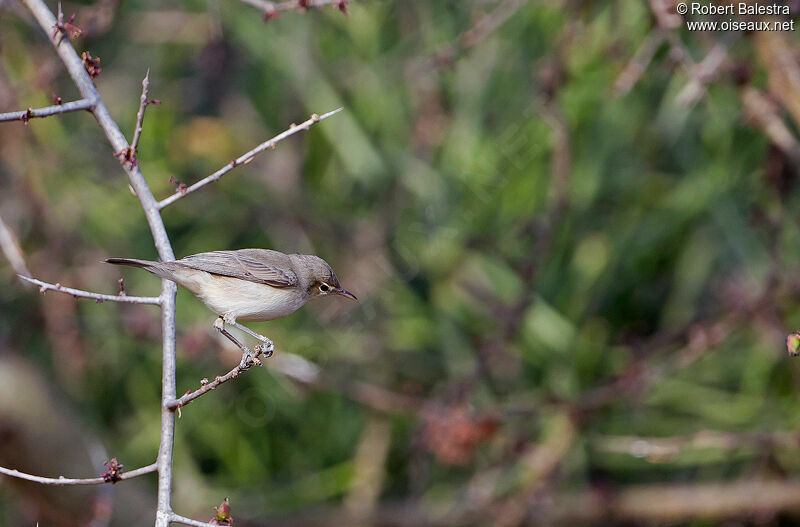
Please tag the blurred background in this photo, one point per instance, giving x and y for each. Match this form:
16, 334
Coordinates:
571, 225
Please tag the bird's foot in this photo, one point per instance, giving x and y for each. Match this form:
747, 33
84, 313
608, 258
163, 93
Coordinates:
252, 333
250, 358
267, 348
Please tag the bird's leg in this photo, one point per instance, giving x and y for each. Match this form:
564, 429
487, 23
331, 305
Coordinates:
248, 357
267, 347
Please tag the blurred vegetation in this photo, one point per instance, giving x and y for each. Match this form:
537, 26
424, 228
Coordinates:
561, 260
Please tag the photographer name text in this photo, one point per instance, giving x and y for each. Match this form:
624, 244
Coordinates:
741, 8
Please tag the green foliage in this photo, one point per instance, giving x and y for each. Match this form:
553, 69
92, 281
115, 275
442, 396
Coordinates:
435, 196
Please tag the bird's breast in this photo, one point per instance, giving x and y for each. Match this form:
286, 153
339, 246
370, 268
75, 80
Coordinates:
248, 301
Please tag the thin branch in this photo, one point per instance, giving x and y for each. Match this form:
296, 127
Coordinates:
143, 101
44, 287
764, 113
62, 481
271, 9
10, 246
639, 62
485, 27
664, 12
47, 111
648, 504
374, 397
701, 74
641, 375
247, 362
246, 158
77, 71
663, 449
175, 518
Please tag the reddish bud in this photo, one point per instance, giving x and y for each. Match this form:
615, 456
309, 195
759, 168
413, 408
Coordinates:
223, 513
181, 186
342, 6
57, 99
69, 29
453, 434
269, 15
303, 5
126, 156
91, 64
114, 472
793, 344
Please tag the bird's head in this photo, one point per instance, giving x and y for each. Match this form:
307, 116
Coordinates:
322, 281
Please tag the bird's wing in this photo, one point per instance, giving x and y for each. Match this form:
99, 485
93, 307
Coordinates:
254, 265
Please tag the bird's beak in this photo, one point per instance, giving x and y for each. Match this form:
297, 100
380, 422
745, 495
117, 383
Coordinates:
348, 294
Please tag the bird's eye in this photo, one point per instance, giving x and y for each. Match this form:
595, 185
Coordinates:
324, 288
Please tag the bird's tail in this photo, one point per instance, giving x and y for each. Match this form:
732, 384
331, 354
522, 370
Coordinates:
162, 269
131, 262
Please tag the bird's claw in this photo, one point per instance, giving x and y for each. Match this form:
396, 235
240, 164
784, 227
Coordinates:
267, 348
250, 358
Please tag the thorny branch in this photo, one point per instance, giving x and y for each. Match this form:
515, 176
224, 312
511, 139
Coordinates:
648, 504
246, 158
91, 100
207, 386
273, 9
639, 63
129, 154
661, 449
764, 113
485, 27
47, 111
77, 70
44, 287
175, 518
10, 247
62, 481
143, 102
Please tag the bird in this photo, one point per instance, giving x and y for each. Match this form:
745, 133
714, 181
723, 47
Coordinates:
250, 285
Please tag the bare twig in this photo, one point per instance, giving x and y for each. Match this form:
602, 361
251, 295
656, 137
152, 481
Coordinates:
79, 75
374, 397
662, 449
175, 518
271, 9
151, 207
639, 63
33, 113
62, 481
486, 26
764, 113
143, 102
246, 158
783, 66
648, 504
701, 74
664, 11
247, 362
44, 287
12, 250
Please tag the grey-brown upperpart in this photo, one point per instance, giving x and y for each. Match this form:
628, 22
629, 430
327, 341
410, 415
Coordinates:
221, 278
